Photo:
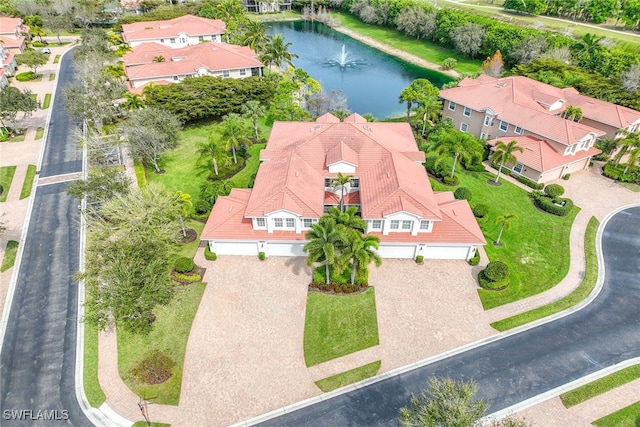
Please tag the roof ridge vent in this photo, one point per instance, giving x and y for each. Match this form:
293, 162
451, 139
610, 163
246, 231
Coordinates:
501, 84
367, 128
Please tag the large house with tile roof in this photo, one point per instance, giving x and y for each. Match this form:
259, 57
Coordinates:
141, 64
175, 33
13, 34
520, 108
389, 187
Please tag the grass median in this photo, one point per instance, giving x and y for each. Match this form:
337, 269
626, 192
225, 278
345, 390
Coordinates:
349, 377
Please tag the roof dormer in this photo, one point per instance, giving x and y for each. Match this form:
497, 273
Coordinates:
342, 158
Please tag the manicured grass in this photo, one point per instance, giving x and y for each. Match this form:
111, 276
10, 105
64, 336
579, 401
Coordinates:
339, 325
6, 176
243, 178
144, 424
630, 186
39, 133
28, 182
169, 335
536, 247
52, 77
423, 49
349, 377
583, 291
626, 417
47, 101
600, 386
56, 59
189, 249
20, 137
92, 389
141, 174
9, 255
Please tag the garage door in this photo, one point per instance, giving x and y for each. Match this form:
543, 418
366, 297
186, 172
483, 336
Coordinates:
285, 249
446, 252
397, 251
236, 248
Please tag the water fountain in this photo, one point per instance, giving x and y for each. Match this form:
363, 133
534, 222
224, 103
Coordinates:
343, 61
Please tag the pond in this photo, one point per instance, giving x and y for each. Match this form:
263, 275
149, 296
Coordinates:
370, 79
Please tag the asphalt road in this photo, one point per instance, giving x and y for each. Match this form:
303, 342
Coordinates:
37, 363
524, 365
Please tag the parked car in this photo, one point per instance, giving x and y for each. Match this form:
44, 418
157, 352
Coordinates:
46, 50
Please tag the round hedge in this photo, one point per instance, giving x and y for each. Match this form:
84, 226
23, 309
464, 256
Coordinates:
480, 210
202, 206
451, 181
557, 206
496, 271
184, 265
485, 283
462, 193
554, 190
26, 76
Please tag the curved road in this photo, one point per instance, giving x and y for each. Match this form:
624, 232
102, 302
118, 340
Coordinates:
38, 360
520, 366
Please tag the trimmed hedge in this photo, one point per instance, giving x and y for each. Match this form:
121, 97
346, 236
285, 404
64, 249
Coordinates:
480, 210
191, 278
486, 283
202, 206
420, 259
554, 190
208, 255
184, 265
463, 193
475, 168
447, 180
26, 76
261, 256
553, 206
496, 271
475, 260
528, 182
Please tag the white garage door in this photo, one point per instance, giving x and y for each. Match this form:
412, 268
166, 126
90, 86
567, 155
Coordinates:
397, 251
236, 248
446, 252
285, 249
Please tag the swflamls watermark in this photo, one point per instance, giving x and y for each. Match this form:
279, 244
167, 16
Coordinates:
32, 415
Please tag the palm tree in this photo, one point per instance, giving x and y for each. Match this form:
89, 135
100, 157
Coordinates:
133, 101
158, 58
458, 144
183, 201
341, 181
209, 150
607, 145
572, 113
504, 154
625, 144
348, 218
361, 251
255, 35
278, 51
505, 220
254, 109
324, 242
634, 154
234, 132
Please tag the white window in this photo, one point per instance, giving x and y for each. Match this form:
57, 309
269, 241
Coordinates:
487, 120
307, 222
355, 182
406, 225
395, 224
243, 72
327, 182
464, 127
175, 77
291, 223
376, 224
172, 40
277, 222
518, 168
161, 40
518, 130
504, 126
424, 225
452, 106
581, 145
483, 135
568, 149
260, 222
225, 73
467, 112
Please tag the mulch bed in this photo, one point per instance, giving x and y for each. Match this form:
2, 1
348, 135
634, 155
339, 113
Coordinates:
190, 237
313, 288
492, 182
197, 270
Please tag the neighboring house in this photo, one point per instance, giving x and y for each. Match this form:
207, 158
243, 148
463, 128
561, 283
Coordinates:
259, 6
153, 62
7, 60
4, 81
175, 33
389, 188
13, 34
512, 107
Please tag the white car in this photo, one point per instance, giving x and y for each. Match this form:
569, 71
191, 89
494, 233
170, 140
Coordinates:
46, 50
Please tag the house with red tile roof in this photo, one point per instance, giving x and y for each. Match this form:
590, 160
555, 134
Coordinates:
389, 188
529, 111
13, 34
175, 33
153, 62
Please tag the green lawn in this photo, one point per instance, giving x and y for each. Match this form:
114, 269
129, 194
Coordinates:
626, 417
169, 335
423, 49
22, 133
39, 133
141, 174
189, 249
536, 247
92, 389
144, 424
600, 386
28, 182
9, 255
349, 377
339, 325
47, 101
6, 176
52, 77
583, 291
56, 59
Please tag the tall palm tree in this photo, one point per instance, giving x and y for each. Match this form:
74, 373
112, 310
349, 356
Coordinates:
504, 154
278, 51
341, 182
572, 113
459, 145
348, 218
324, 242
234, 132
634, 154
505, 220
183, 202
631, 140
133, 101
254, 109
361, 251
255, 36
208, 150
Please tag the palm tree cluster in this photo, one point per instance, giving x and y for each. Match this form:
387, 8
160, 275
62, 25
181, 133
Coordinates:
271, 50
339, 242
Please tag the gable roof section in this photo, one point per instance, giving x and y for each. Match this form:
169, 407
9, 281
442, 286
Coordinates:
188, 24
605, 112
342, 153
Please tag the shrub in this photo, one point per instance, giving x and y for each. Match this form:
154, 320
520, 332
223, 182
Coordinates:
184, 265
480, 210
566, 176
155, 368
436, 171
554, 190
261, 256
528, 182
26, 76
475, 168
462, 193
557, 206
496, 271
202, 206
420, 259
37, 44
191, 278
613, 171
1, 189
475, 260
208, 255
447, 180
449, 63
485, 283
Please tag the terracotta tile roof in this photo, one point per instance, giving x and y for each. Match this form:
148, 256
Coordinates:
341, 152
349, 198
523, 102
604, 112
8, 26
188, 24
539, 155
187, 60
10, 42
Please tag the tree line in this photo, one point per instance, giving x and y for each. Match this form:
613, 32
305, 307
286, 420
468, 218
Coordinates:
596, 11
